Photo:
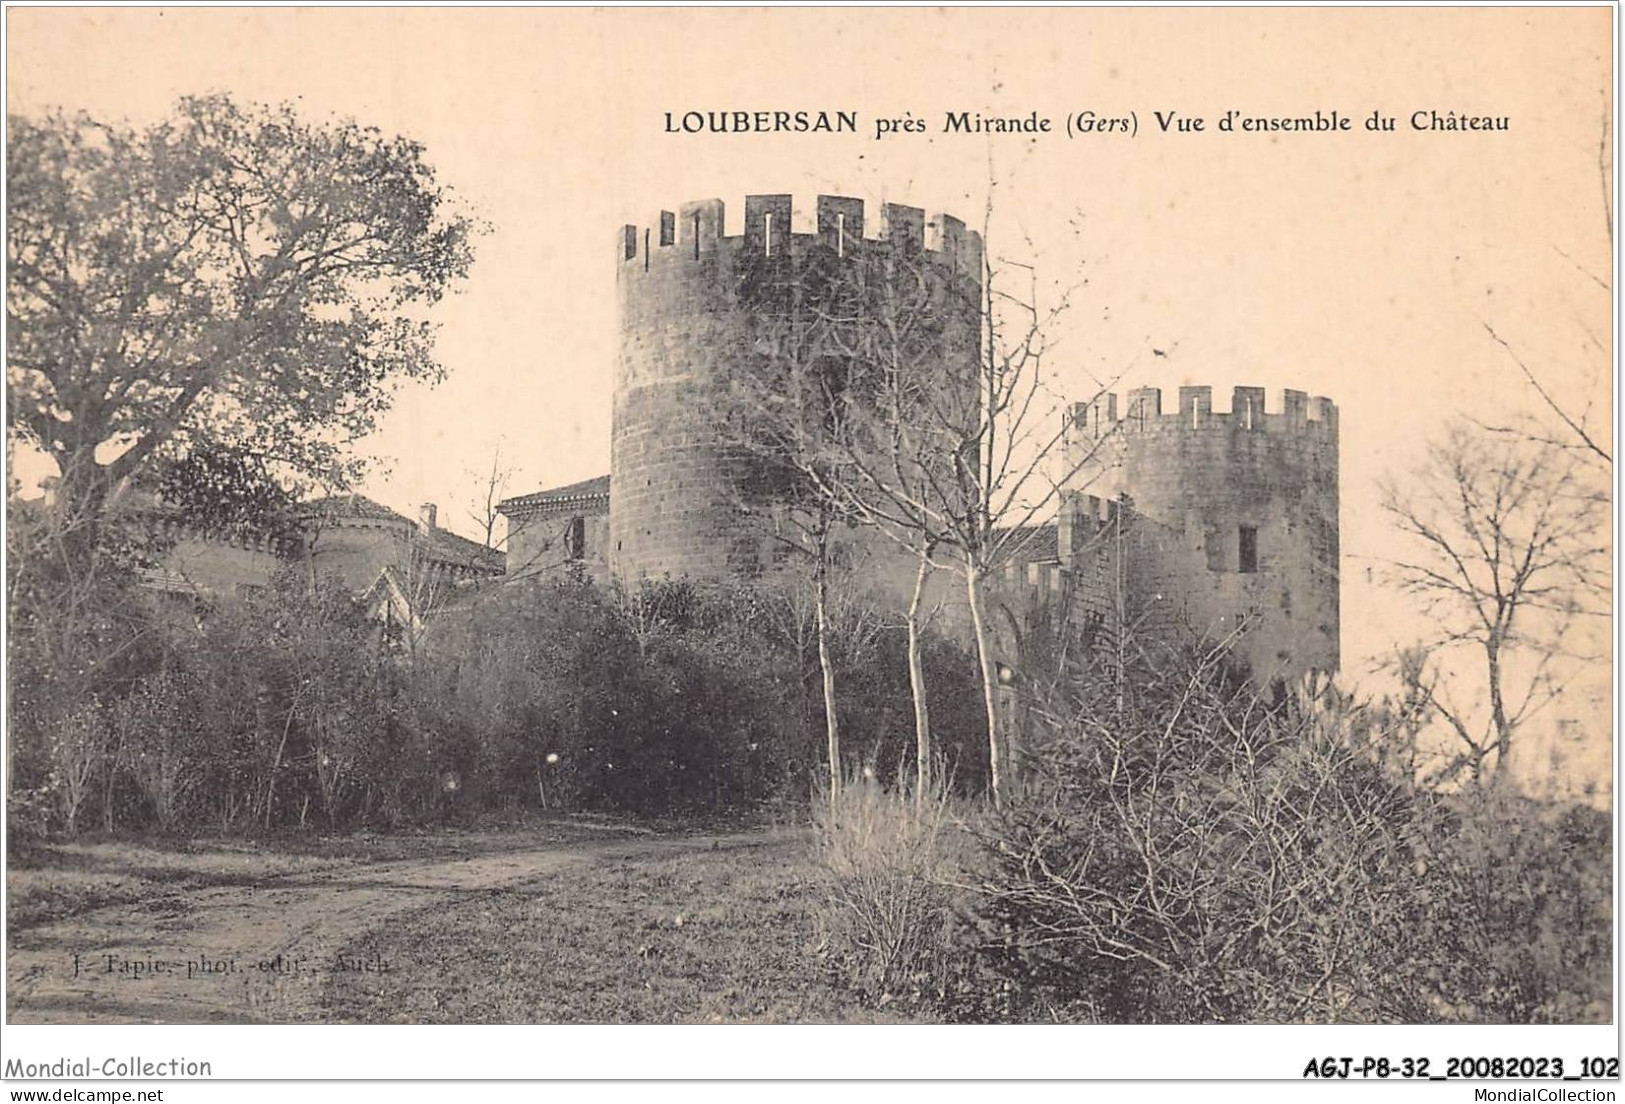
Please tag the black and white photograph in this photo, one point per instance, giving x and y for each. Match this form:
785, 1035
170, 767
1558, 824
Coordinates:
1088, 517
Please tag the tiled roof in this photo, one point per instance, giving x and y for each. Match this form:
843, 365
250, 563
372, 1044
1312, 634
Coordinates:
588, 488
1030, 544
449, 547
351, 506
441, 545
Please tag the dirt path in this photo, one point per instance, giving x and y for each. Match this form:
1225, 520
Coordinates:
249, 954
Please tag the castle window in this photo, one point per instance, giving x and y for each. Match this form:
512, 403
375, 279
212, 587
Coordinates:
840, 234
646, 251
767, 234
696, 237
575, 539
1248, 559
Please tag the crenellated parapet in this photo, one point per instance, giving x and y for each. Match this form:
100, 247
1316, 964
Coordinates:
1235, 511
1289, 411
1083, 519
694, 233
694, 306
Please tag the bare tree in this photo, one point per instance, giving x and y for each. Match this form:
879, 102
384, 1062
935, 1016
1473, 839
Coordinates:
810, 532
1573, 429
410, 594
769, 430
1507, 549
493, 487
837, 406
779, 417
78, 751
1560, 420
647, 607
154, 738
912, 396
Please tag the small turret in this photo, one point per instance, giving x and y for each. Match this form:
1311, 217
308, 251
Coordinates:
1251, 491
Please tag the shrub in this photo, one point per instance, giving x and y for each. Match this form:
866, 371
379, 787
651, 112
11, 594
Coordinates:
77, 743
1189, 852
288, 706
29, 816
891, 870
562, 696
1514, 899
160, 747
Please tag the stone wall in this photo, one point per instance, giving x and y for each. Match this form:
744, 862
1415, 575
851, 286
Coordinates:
546, 543
1205, 476
693, 304
356, 550
216, 565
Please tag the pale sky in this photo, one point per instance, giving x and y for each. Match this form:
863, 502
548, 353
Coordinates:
1359, 266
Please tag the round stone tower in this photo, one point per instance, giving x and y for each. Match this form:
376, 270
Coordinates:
1248, 502
693, 306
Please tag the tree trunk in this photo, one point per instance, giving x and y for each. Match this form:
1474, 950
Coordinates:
916, 682
114, 758
81, 499
276, 765
832, 728
990, 682
1498, 715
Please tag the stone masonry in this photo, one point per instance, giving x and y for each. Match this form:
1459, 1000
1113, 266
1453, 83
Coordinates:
1194, 523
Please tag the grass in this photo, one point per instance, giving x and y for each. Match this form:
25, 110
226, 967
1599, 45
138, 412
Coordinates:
725, 935
56, 881
657, 929
63, 880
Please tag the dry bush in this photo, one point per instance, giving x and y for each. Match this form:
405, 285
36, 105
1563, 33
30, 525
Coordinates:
1190, 851
891, 867
1193, 850
161, 749
77, 743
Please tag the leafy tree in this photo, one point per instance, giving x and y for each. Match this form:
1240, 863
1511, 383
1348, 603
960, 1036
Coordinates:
219, 490
232, 278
